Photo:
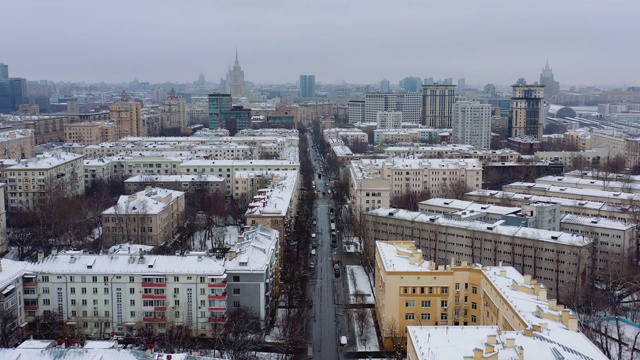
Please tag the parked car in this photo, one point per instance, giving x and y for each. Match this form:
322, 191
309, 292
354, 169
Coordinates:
343, 340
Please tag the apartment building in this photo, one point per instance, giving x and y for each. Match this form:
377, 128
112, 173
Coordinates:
374, 181
17, 144
356, 111
346, 134
409, 104
149, 217
414, 296
561, 261
228, 168
184, 183
527, 114
90, 133
620, 212
593, 157
413, 135
612, 197
468, 210
579, 139
454, 151
128, 118
276, 205
11, 294
30, 180
471, 124
174, 111
614, 141
596, 175
437, 105
100, 294
617, 184
46, 129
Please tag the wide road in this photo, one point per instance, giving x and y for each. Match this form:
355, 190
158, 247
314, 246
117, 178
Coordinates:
326, 327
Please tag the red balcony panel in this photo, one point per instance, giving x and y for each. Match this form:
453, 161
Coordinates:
31, 307
218, 297
218, 285
160, 308
154, 284
154, 319
151, 296
30, 284
218, 308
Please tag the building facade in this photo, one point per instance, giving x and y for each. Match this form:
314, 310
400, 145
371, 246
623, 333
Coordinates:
235, 79
437, 105
174, 111
128, 117
527, 114
217, 104
471, 123
551, 87
356, 111
307, 86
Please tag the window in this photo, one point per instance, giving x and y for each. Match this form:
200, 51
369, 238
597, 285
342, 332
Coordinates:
176, 279
70, 278
95, 302
474, 290
426, 303
45, 278
84, 302
106, 291
443, 316
176, 291
95, 291
425, 316
106, 301
466, 286
132, 302
133, 314
72, 290
444, 304
404, 290
236, 304
83, 290
132, 279
73, 302
201, 279
457, 286
430, 290
202, 291
473, 319
410, 303
45, 290
444, 290
474, 306
105, 278
132, 291
94, 279
177, 302
236, 291
236, 279
409, 316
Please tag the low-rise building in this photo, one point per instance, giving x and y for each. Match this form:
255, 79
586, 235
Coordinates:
30, 180
17, 144
623, 184
612, 197
593, 157
346, 134
148, 217
184, 183
414, 135
561, 261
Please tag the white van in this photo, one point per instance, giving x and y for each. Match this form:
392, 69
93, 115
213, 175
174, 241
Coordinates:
343, 340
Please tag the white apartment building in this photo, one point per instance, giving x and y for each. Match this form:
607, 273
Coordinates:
228, 168
100, 294
471, 123
374, 181
614, 141
389, 120
150, 217
345, 134
409, 104
612, 197
576, 182
184, 183
355, 111
29, 180
416, 135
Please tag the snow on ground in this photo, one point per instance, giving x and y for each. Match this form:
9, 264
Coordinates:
359, 282
369, 339
231, 234
352, 244
96, 233
275, 332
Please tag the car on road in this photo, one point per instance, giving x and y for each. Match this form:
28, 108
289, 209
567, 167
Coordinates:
343, 340
313, 252
314, 223
313, 235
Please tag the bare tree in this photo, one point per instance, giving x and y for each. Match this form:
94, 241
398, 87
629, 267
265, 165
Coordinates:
242, 333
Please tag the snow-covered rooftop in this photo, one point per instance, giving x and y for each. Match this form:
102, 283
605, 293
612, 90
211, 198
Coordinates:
275, 199
596, 222
588, 183
497, 228
613, 195
149, 201
46, 161
174, 178
90, 354
10, 271
254, 250
77, 262
459, 205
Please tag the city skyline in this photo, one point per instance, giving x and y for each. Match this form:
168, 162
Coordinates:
345, 46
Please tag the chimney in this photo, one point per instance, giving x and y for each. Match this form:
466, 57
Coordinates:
552, 304
40, 255
520, 352
491, 339
489, 348
542, 295
503, 273
527, 279
231, 254
478, 354
510, 343
54, 251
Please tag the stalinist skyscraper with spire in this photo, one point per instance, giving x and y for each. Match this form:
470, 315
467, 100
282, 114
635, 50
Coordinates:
551, 87
235, 79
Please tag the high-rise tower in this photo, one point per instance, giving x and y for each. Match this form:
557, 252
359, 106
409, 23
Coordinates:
437, 103
527, 115
551, 87
235, 79
307, 86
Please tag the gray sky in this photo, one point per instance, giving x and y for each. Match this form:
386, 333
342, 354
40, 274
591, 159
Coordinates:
586, 41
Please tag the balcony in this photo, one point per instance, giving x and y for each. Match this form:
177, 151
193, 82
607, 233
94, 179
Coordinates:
159, 308
30, 284
222, 319
223, 296
154, 319
154, 285
31, 307
154, 296
218, 308
222, 285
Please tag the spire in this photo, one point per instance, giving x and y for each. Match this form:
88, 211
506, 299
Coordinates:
237, 63
547, 66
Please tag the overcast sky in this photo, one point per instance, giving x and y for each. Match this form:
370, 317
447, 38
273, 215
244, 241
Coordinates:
498, 41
